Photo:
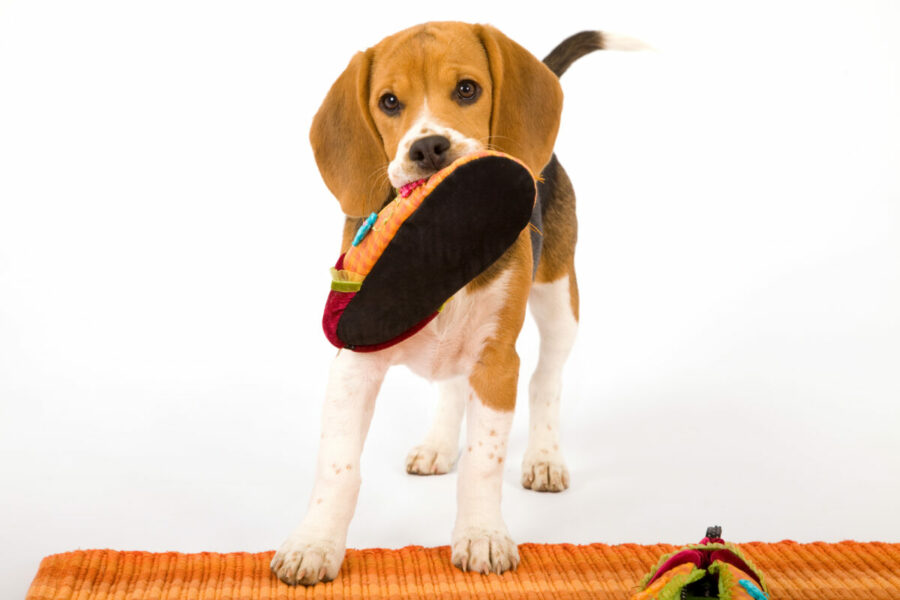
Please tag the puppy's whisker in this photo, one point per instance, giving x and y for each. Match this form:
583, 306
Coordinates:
489, 141
376, 180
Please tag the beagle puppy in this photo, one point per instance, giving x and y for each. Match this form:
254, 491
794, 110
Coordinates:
401, 111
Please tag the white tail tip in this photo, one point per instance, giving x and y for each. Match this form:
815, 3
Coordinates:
617, 41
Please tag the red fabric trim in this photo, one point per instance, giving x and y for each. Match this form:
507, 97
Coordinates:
704, 558
683, 557
707, 540
727, 556
334, 308
407, 189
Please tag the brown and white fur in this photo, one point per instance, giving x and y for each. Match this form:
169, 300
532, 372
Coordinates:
390, 96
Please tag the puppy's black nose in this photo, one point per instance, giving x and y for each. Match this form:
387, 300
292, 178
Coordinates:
430, 152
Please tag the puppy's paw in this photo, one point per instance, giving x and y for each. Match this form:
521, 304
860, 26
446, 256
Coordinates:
544, 471
430, 460
484, 551
307, 561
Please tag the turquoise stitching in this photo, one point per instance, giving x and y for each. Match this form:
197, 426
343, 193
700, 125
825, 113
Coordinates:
364, 228
751, 588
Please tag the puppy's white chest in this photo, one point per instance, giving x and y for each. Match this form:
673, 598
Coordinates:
451, 343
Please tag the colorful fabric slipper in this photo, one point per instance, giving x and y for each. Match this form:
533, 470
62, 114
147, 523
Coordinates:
710, 569
424, 246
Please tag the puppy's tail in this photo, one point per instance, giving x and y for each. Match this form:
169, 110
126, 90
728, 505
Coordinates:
574, 47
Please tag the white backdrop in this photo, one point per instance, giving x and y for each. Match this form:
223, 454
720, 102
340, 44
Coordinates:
165, 240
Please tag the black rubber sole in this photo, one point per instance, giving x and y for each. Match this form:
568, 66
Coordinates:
465, 224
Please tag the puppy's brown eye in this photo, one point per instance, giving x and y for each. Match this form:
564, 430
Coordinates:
389, 103
467, 91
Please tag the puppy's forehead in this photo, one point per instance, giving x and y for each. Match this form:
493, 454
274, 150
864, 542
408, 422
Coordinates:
424, 52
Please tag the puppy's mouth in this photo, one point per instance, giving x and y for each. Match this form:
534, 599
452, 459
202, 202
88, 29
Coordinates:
407, 188
426, 174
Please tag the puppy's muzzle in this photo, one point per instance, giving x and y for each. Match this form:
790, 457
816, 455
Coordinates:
430, 153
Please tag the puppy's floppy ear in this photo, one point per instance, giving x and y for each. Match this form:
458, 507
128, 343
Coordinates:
348, 149
526, 100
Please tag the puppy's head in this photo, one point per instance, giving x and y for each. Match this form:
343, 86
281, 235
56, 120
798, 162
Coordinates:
422, 98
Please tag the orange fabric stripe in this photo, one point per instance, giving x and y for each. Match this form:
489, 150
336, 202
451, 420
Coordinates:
654, 588
816, 571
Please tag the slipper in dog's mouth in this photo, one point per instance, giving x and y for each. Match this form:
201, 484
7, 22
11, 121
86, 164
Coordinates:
424, 246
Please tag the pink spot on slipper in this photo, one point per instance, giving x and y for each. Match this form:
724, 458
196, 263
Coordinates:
407, 189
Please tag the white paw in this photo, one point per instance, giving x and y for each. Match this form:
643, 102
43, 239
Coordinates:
430, 460
544, 471
307, 561
484, 551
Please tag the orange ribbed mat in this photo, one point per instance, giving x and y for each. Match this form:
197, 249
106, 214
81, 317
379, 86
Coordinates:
819, 571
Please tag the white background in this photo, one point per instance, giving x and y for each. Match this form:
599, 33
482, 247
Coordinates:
165, 239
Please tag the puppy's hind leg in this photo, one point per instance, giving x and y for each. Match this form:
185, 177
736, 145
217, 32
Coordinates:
438, 452
554, 306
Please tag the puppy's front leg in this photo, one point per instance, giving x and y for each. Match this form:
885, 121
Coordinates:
315, 550
480, 540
